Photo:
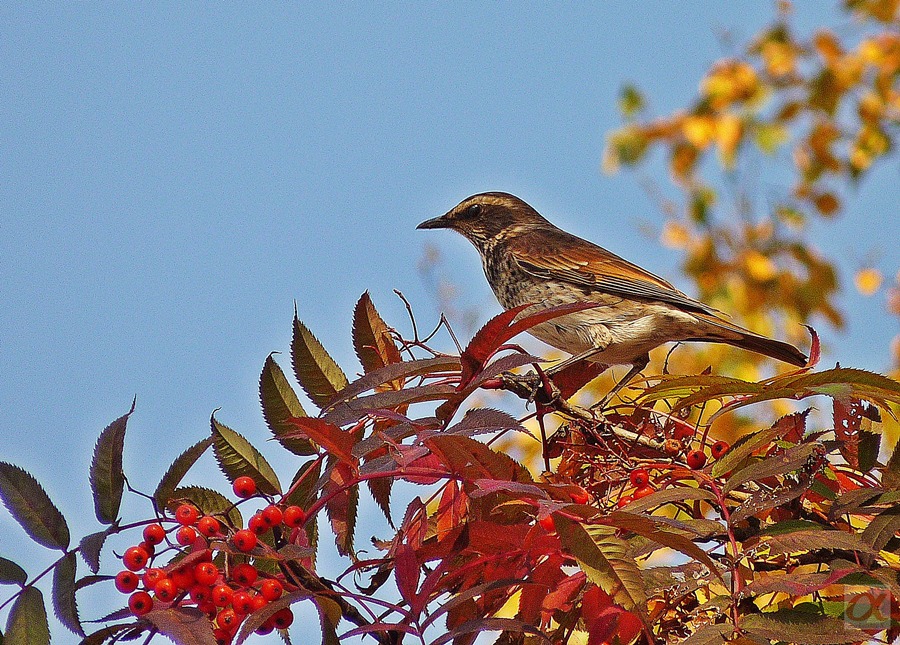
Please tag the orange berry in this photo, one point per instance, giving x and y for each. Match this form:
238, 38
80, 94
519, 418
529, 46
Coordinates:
152, 576
624, 501
258, 524
643, 491
126, 581
271, 589
718, 449
294, 516
183, 577
154, 534
580, 496
222, 595
639, 477
242, 602
206, 573
272, 515
696, 459
547, 523
244, 487
135, 558
244, 574
187, 514
283, 618
186, 535
245, 540
228, 619
140, 603
208, 526
165, 590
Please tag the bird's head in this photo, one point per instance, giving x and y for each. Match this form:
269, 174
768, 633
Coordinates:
489, 217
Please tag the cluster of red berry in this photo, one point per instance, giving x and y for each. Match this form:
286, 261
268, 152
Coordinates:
225, 595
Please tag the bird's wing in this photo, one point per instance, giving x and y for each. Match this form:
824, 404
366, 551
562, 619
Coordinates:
561, 256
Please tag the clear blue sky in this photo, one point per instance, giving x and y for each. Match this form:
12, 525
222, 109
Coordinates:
174, 176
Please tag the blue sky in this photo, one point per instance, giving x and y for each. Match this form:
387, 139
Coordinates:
174, 176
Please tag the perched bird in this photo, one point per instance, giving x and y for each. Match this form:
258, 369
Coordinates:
528, 260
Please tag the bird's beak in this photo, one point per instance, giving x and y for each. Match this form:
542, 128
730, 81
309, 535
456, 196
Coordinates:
437, 222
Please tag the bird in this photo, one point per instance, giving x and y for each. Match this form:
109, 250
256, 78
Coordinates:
529, 261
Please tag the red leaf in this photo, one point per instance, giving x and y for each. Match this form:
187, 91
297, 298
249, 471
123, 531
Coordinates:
815, 349
341, 507
574, 377
848, 420
332, 438
406, 573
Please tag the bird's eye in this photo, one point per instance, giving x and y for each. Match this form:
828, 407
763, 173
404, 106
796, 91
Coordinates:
474, 210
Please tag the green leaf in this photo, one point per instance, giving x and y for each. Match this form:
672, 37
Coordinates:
238, 458
30, 506
11, 573
604, 559
305, 494
318, 373
178, 470
890, 476
882, 528
91, 546
709, 634
107, 478
279, 402
183, 625
342, 506
330, 615
64, 604
631, 101
372, 338
27, 622
801, 628
209, 501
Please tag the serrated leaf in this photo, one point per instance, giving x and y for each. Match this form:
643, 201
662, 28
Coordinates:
475, 460
605, 561
890, 475
351, 411
106, 633
329, 617
802, 628
811, 540
28, 503
64, 605
11, 573
342, 505
372, 338
882, 528
335, 441
789, 425
178, 470
258, 617
91, 546
210, 502
27, 621
183, 625
107, 478
668, 496
483, 420
709, 634
279, 402
781, 463
318, 374
238, 458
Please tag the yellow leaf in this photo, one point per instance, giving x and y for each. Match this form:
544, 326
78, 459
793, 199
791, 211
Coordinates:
760, 268
729, 130
674, 235
868, 281
699, 130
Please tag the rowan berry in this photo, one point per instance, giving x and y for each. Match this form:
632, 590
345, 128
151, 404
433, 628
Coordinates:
639, 477
205, 573
200, 593
244, 487
624, 501
244, 574
696, 459
682, 432
135, 558
187, 514
643, 491
242, 602
127, 581
165, 590
271, 589
580, 496
672, 447
547, 523
140, 603
718, 449
258, 524
272, 515
222, 636
283, 618
152, 576
154, 534
208, 526
259, 602
186, 535
227, 619
266, 627
222, 595
245, 540
183, 577
294, 516
149, 548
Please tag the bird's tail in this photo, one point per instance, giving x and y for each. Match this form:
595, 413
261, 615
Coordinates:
725, 332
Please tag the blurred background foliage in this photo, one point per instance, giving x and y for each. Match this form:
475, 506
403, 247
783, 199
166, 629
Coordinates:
780, 133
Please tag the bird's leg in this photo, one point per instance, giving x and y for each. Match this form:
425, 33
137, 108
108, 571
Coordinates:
639, 364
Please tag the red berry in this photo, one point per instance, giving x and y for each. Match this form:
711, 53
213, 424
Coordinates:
187, 514
222, 636
580, 496
135, 558
643, 491
624, 501
140, 603
547, 524
696, 459
719, 448
245, 540
152, 576
205, 573
149, 548
208, 526
294, 516
227, 619
165, 590
272, 515
258, 524
222, 595
271, 589
244, 574
154, 534
259, 602
266, 627
126, 581
639, 477
683, 432
186, 535
244, 487
201, 593
283, 618
242, 602
183, 577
